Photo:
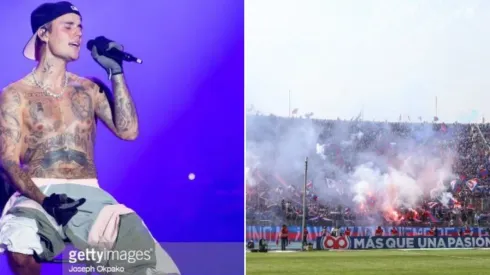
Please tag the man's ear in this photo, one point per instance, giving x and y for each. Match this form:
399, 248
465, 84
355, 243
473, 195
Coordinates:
43, 34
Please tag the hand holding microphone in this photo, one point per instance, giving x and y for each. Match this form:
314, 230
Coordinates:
110, 55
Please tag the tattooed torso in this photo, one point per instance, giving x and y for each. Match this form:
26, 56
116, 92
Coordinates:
58, 135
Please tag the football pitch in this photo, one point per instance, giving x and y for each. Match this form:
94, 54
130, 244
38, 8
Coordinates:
371, 262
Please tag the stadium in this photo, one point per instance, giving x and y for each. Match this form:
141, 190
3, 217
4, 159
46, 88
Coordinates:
381, 198
366, 141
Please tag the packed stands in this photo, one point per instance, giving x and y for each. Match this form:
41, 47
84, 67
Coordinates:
274, 189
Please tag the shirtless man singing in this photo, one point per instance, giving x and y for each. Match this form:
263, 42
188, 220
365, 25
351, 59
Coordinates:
47, 135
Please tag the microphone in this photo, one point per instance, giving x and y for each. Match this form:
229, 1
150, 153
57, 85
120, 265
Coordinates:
113, 52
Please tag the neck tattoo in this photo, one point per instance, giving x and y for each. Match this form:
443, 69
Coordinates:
46, 90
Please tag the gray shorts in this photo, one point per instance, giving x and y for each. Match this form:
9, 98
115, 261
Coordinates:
31, 231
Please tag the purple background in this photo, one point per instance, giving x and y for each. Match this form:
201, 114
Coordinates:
189, 96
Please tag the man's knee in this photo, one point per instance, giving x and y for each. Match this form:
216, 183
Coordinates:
22, 261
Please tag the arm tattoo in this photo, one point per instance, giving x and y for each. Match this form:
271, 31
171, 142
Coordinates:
10, 137
117, 110
125, 116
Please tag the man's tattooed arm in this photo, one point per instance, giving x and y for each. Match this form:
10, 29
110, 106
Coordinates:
10, 144
117, 110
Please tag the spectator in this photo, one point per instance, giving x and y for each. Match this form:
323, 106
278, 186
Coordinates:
284, 237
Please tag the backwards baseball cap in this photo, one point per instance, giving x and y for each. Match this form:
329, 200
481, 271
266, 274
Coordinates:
42, 15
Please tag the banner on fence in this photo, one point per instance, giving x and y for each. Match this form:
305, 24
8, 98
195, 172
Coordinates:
345, 242
271, 233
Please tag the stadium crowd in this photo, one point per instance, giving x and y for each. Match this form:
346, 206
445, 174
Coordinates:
277, 198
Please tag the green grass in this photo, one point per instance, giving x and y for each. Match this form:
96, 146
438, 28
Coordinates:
371, 262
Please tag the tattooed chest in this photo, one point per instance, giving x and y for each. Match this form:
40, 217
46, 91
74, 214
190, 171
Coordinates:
46, 115
52, 124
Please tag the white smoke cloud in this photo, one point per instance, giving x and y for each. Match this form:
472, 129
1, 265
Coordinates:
409, 171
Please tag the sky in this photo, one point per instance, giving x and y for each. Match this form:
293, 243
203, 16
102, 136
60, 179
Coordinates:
384, 58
